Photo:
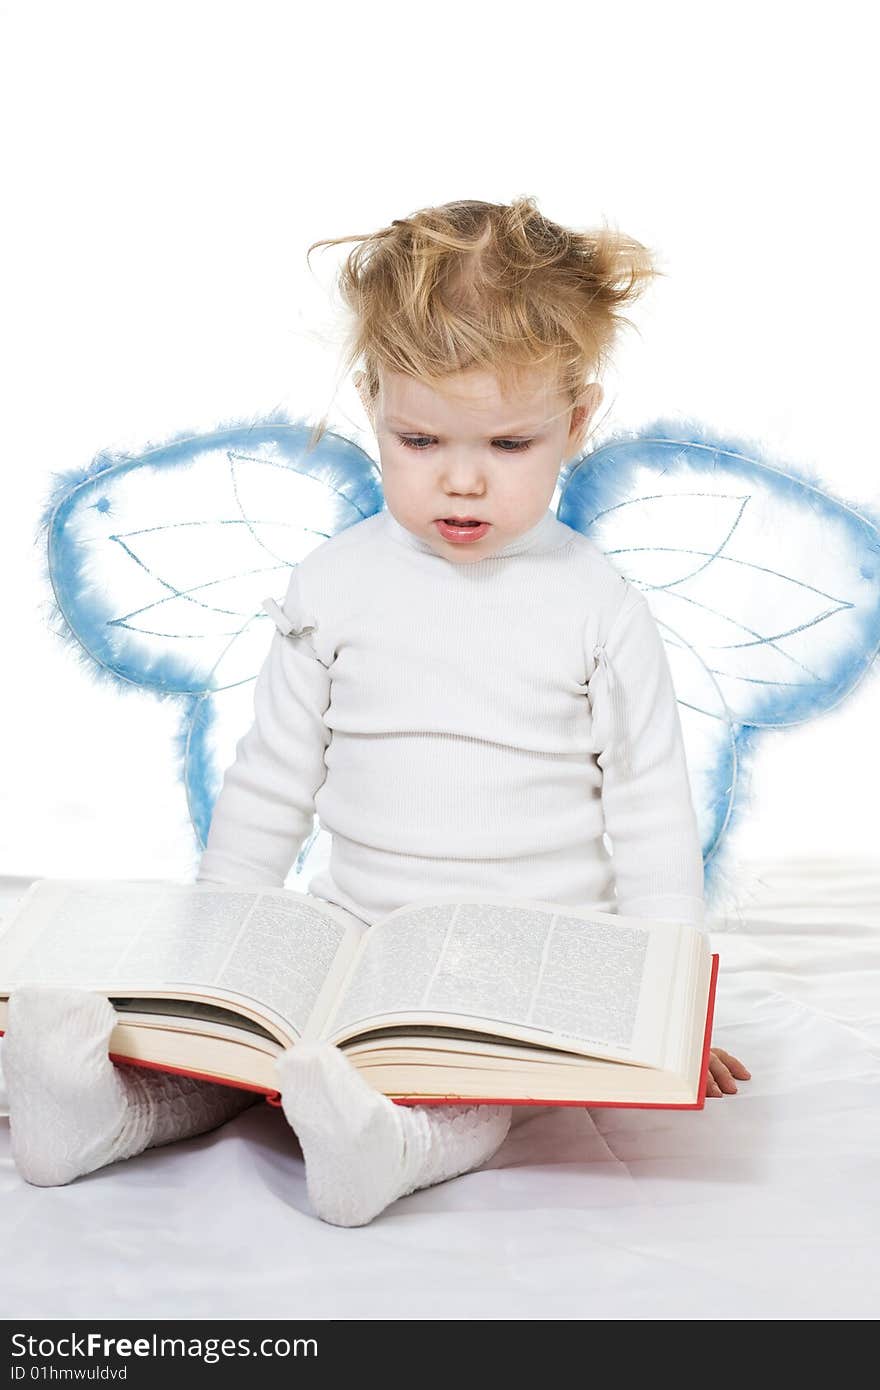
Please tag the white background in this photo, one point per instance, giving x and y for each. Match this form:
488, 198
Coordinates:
165, 167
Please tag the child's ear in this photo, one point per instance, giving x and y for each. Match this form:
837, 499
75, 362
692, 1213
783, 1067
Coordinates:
581, 416
360, 383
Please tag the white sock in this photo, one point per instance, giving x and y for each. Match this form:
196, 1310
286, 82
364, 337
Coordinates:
361, 1150
71, 1109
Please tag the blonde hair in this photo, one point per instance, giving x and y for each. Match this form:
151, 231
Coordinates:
486, 285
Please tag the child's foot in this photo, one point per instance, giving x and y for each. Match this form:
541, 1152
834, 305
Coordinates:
67, 1107
351, 1137
361, 1150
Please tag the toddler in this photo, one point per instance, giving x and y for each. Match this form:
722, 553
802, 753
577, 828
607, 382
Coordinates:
465, 690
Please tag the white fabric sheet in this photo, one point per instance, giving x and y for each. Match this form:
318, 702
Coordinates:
762, 1206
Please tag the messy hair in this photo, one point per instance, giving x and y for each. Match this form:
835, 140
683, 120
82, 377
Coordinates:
482, 285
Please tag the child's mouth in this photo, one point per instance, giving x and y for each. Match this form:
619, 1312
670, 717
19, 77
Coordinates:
458, 531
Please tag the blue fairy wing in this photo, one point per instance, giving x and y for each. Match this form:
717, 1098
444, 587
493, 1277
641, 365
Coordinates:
158, 566
764, 587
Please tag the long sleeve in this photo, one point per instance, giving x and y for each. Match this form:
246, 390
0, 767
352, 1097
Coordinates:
646, 796
265, 808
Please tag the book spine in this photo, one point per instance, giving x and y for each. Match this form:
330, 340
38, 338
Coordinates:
707, 1038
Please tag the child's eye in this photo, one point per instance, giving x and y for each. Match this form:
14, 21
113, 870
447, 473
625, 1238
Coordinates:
419, 441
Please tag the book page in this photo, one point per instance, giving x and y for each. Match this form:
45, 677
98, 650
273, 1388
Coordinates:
269, 946
530, 970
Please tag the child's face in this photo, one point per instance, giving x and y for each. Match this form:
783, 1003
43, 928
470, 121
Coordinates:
463, 454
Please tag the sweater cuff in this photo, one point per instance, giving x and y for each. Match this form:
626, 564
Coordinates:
676, 907
222, 869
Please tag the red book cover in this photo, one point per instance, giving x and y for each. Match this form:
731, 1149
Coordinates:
274, 1097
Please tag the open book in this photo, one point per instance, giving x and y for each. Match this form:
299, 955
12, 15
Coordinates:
455, 997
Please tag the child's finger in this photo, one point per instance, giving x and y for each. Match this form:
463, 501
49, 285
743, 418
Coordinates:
736, 1066
722, 1076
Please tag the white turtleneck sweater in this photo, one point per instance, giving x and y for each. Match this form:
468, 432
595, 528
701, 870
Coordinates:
483, 726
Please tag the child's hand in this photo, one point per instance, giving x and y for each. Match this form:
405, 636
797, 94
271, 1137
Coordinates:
723, 1067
